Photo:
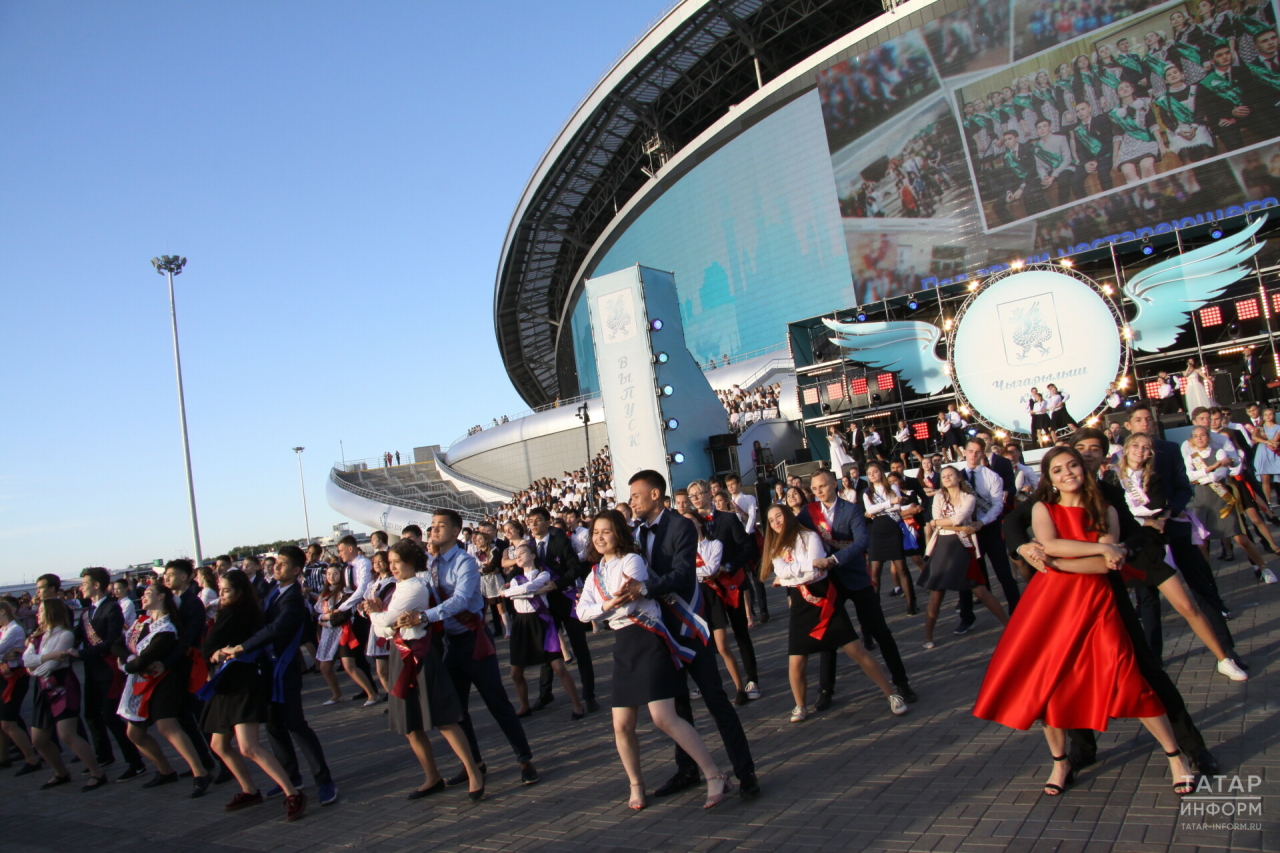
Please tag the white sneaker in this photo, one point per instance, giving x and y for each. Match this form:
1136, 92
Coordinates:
1231, 670
1269, 576
370, 703
331, 701
897, 705
928, 645
799, 714
753, 690
695, 693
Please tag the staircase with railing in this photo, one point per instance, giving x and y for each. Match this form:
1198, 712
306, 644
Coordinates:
416, 486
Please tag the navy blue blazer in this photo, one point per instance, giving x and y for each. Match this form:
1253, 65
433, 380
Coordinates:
849, 525
1172, 470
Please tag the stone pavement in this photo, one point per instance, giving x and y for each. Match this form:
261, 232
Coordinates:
852, 778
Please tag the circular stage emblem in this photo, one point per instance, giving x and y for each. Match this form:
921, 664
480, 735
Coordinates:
1029, 329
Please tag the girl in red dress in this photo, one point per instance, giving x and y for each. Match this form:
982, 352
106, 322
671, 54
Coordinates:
1065, 658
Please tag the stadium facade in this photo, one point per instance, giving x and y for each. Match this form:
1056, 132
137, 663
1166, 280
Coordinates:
793, 159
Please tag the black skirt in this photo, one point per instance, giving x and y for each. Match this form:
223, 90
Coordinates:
951, 566
1040, 423
435, 702
43, 715
225, 711
804, 619
951, 438
528, 634
717, 615
1150, 560
11, 709
169, 699
643, 670
886, 540
1060, 419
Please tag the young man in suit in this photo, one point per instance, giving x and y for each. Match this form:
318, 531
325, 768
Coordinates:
557, 555
844, 531
748, 505
285, 614
989, 486
669, 544
739, 554
100, 638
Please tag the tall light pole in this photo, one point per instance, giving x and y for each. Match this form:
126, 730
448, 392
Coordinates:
303, 482
169, 266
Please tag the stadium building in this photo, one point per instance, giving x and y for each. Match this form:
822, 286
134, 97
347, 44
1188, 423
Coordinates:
791, 160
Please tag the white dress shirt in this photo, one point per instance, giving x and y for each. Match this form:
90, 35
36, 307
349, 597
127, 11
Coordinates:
55, 640
128, 610
794, 567
363, 569
411, 596
581, 539
712, 552
611, 575
748, 504
13, 638
1202, 478
989, 490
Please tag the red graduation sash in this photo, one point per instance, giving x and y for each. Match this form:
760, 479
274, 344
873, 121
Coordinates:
411, 653
11, 675
826, 608
819, 518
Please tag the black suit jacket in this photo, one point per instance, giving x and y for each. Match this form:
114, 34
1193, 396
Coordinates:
1173, 474
286, 613
191, 619
261, 586
108, 623
1008, 475
561, 559
739, 548
1017, 523
673, 560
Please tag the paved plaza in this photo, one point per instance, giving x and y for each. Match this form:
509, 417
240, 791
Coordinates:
852, 778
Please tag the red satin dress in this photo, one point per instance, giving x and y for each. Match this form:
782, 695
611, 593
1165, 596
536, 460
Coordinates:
1065, 657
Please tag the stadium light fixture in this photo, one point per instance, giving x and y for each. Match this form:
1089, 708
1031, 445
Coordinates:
303, 483
676, 458
667, 390
1017, 265
169, 266
1216, 233
913, 304
672, 423
661, 358
655, 325
862, 316
1146, 247
1067, 262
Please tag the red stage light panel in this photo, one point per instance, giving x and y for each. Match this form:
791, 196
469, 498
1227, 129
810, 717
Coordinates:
1247, 309
859, 385
835, 390
1153, 389
1275, 302
885, 381
1211, 316
811, 396
920, 431
1182, 384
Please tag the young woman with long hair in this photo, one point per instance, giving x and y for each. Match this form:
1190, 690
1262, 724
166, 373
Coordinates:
56, 706
646, 662
382, 588
241, 691
816, 624
1065, 658
953, 552
337, 634
158, 698
534, 639
881, 502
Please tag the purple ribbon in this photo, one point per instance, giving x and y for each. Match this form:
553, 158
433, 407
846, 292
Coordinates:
551, 638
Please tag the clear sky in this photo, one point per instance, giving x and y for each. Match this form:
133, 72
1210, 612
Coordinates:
340, 177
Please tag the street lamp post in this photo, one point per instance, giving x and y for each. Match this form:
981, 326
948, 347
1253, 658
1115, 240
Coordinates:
169, 266
585, 416
306, 518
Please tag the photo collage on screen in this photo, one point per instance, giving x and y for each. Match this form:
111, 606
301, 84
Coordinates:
1027, 126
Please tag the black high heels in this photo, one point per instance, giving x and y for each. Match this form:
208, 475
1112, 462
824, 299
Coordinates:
1052, 790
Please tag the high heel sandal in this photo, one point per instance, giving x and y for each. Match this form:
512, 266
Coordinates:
717, 799
638, 803
1052, 790
1185, 787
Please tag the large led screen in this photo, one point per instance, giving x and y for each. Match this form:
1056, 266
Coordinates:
1011, 129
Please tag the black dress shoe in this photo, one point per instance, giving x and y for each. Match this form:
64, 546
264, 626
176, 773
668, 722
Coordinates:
1081, 760
592, 706
869, 643
476, 796
529, 774
824, 700
527, 712
133, 771
201, 786
94, 783
55, 782
907, 693
677, 783
461, 778
160, 779
1205, 762
542, 703
28, 769
741, 699
420, 793
748, 786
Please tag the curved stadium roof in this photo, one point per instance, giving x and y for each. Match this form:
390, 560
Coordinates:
699, 59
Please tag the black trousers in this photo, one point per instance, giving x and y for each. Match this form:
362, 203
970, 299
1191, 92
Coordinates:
100, 717
991, 543
562, 612
706, 674
866, 605
285, 722
1084, 742
759, 603
360, 626
466, 671
738, 623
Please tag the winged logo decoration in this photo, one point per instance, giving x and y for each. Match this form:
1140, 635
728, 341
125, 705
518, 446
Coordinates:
1164, 295
904, 346
1167, 293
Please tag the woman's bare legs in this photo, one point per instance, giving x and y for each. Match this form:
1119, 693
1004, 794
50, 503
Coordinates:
1177, 595
358, 676
730, 662
172, 732
624, 735
566, 681
251, 748
150, 747
330, 680
859, 654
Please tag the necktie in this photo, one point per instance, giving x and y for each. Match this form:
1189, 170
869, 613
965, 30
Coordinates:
968, 472
542, 551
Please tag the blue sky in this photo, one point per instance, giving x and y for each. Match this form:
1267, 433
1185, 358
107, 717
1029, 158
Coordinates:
340, 176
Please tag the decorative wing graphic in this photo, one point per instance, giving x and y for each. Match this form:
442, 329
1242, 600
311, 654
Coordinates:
1167, 292
906, 346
